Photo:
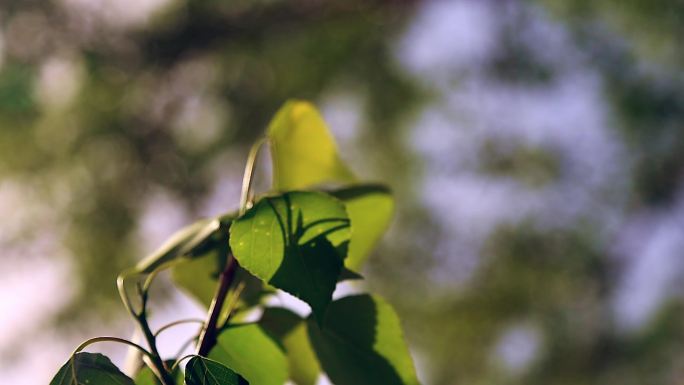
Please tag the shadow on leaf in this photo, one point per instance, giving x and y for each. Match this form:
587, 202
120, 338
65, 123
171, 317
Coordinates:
349, 347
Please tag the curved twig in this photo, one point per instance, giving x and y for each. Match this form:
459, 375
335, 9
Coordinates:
178, 361
179, 322
249, 174
103, 339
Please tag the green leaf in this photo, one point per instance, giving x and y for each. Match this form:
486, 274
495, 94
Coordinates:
91, 369
370, 208
247, 350
146, 377
290, 330
361, 343
179, 244
295, 242
198, 277
203, 371
303, 152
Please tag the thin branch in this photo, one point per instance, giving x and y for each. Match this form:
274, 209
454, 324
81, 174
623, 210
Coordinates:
209, 333
103, 339
111, 339
186, 344
179, 322
121, 286
249, 175
232, 303
164, 374
185, 357
158, 367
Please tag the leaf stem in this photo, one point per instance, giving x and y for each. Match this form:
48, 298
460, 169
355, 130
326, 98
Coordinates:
103, 339
158, 366
232, 303
163, 371
179, 322
208, 335
249, 174
186, 344
111, 339
121, 286
185, 357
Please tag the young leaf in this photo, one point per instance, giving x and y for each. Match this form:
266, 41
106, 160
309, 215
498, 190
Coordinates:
361, 343
179, 244
303, 152
295, 242
370, 208
91, 369
290, 330
247, 350
203, 371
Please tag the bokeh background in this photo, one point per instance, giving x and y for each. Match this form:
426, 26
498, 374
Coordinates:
536, 149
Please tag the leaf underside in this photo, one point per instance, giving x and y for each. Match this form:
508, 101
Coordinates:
290, 330
361, 343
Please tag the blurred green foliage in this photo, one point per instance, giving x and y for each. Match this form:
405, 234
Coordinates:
133, 128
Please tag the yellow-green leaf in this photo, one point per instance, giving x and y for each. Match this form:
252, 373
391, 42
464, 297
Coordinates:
370, 208
303, 151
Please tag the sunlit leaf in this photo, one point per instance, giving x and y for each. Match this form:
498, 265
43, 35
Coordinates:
370, 209
203, 371
91, 369
290, 330
253, 354
303, 151
295, 242
179, 244
361, 343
